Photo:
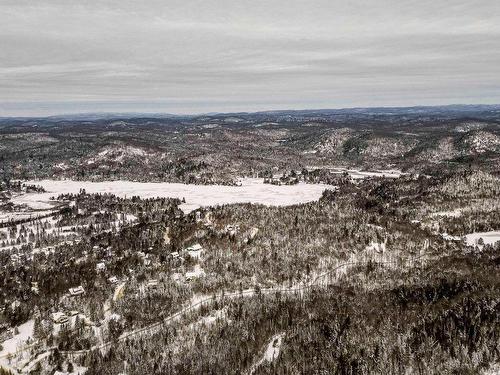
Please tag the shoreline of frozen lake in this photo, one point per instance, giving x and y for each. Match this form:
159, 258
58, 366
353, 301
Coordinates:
252, 190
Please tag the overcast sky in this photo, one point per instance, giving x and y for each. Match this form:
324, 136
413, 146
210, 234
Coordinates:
188, 56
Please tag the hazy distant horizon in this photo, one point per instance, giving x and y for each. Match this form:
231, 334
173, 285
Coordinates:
125, 110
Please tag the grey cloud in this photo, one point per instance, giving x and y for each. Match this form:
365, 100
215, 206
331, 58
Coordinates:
193, 56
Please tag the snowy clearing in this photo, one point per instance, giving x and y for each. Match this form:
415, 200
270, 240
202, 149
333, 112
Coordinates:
357, 174
252, 190
454, 213
273, 348
272, 351
11, 345
489, 238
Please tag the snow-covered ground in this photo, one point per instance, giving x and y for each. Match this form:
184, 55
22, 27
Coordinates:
252, 190
209, 319
472, 239
357, 174
48, 226
5, 216
118, 293
454, 213
11, 345
31, 200
492, 370
272, 351
273, 348
449, 237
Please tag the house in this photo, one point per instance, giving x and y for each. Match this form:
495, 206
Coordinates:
76, 291
100, 267
4, 196
175, 254
152, 284
59, 318
275, 181
232, 229
6, 333
113, 279
34, 287
195, 251
253, 233
109, 251
197, 272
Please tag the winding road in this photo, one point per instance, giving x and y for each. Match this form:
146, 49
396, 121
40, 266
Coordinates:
322, 279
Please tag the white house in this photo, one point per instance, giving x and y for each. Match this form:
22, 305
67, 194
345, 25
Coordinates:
101, 266
34, 287
197, 272
232, 229
195, 251
76, 291
152, 284
59, 318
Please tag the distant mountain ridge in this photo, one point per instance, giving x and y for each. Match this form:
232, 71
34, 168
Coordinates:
440, 109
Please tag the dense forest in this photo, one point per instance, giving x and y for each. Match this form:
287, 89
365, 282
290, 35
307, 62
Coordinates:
377, 276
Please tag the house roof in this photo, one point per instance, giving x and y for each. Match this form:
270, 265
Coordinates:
195, 247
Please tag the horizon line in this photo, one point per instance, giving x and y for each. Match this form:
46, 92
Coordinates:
213, 113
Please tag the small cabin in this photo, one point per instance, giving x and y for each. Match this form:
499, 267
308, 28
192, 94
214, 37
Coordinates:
76, 291
34, 287
195, 251
152, 284
59, 318
100, 267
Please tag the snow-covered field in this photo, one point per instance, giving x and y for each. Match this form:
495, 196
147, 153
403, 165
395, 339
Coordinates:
11, 345
252, 190
357, 174
488, 238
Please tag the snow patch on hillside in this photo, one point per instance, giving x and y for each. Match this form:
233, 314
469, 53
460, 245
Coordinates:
272, 351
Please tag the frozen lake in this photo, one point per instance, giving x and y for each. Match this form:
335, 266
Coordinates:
252, 190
